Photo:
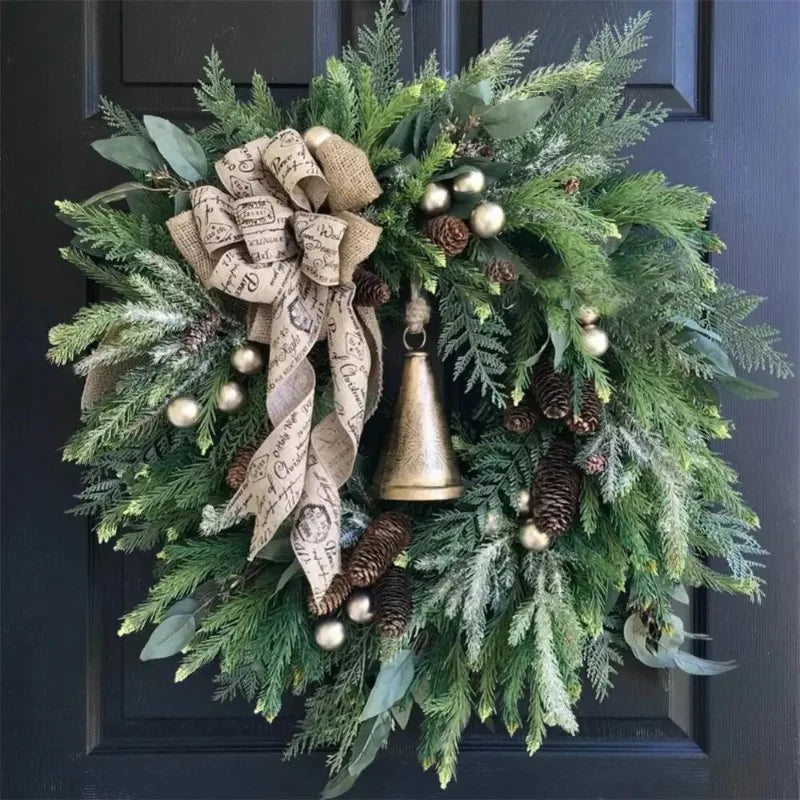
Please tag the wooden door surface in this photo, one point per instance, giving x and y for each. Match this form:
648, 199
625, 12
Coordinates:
82, 717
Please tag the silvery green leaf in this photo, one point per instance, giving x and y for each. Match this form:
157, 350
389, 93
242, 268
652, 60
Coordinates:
182, 152
560, 340
515, 117
182, 202
402, 712
402, 137
289, 573
371, 736
186, 606
115, 193
133, 152
635, 633
393, 681
278, 549
472, 99
695, 665
694, 325
714, 353
747, 389
170, 637
679, 593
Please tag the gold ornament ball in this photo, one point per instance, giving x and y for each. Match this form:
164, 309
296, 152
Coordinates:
360, 606
314, 137
470, 182
247, 359
595, 340
329, 634
523, 501
183, 411
531, 538
492, 522
230, 397
487, 220
588, 316
435, 199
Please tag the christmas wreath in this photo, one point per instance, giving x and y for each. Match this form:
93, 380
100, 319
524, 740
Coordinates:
473, 564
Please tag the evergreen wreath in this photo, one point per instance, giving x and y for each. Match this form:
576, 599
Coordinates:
592, 498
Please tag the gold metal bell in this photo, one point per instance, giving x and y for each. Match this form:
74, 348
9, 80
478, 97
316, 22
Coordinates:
418, 462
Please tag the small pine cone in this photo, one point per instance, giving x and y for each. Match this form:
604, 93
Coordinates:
520, 419
501, 272
555, 490
449, 233
589, 418
551, 390
378, 547
486, 150
200, 334
572, 186
332, 599
594, 464
337, 592
393, 600
238, 468
370, 289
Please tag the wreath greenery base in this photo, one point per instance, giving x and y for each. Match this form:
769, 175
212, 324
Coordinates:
497, 631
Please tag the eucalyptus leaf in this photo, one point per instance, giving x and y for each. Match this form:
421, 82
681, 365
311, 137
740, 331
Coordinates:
695, 665
186, 606
402, 137
714, 353
421, 126
694, 325
463, 205
393, 681
613, 242
115, 193
472, 99
402, 711
679, 593
560, 341
534, 359
747, 389
278, 549
343, 781
170, 637
515, 117
289, 573
133, 152
79, 244
182, 152
182, 201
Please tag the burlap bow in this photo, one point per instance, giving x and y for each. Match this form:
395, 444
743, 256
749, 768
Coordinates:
266, 243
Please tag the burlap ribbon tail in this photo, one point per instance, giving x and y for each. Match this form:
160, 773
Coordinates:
265, 242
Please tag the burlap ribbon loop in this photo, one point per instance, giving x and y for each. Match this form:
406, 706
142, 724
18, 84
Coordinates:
266, 243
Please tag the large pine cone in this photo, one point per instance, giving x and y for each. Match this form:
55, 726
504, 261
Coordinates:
238, 468
555, 490
520, 419
551, 390
393, 601
200, 334
589, 418
449, 233
370, 289
378, 547
500, 271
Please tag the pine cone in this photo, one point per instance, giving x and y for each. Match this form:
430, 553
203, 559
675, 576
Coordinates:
501, 272
200, 334
572, 186
449, 233
589, 418
378, 547
520, 419
594, 464
393, 602
551, 390
555, 490
370, 289
238, 468
337, 593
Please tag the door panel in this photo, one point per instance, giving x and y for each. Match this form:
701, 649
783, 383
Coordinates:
83, 717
